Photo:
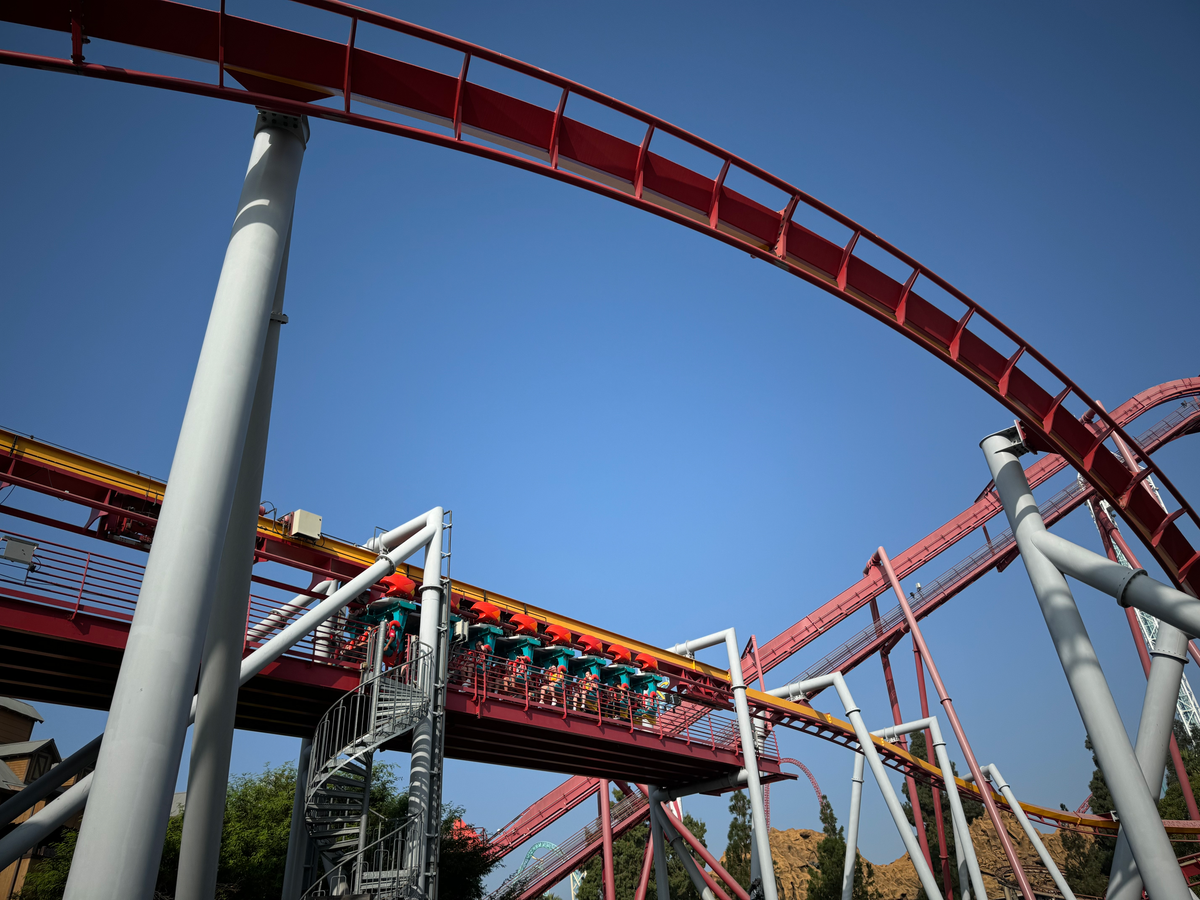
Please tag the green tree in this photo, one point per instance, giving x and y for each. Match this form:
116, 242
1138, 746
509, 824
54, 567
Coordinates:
972, 810
258, 814
826, 882
737, 839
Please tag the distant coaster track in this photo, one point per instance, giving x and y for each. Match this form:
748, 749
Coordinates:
295, 73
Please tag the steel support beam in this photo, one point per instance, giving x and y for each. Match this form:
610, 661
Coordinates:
1147, 837
220, 665
120, 841
297, 852
856, 783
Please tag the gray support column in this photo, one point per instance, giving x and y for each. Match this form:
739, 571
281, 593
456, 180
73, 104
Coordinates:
681, 848
422, 742
856, 783
1030, 832
662, 884
297, 853
1148, 840
120, 842
1153, 745
221, 662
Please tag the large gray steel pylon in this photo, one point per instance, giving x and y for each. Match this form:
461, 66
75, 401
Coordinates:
121, 839
1139, 815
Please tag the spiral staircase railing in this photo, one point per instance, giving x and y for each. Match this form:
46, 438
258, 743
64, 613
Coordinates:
383, 707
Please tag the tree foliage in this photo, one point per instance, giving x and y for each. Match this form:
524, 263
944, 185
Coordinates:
737, 846
826, 881
258, 814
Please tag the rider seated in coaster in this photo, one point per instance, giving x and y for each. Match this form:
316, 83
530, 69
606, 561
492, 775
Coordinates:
553, 685
515, 669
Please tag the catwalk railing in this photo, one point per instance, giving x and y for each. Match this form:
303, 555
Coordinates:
669, 716
87, 583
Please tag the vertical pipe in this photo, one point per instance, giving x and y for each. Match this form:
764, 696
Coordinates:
120, 841
762, 839
419, 795
662, 884
643, 884
1010, 852
297, 852
610, 887
913, 798
221, 662
1185, 784
704, 886
856, 783
943, 852
1147, 837
964, 848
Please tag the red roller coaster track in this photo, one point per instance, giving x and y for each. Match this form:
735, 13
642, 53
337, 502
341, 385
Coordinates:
295, 73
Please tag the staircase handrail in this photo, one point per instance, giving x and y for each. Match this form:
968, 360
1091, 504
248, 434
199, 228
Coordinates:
349, 729
366, 853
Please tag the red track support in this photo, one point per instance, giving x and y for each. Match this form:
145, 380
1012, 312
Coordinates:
989, 802
898, 719
647, 861
939, 821
610, 888
708, 858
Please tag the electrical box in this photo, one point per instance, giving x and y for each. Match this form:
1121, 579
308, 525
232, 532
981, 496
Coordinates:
305, 524
18, 551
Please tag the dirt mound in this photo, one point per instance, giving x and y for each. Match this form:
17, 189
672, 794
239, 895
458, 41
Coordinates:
795, 854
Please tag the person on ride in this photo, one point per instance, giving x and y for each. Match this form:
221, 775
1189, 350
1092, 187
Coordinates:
553, 685
590, 690
514, 674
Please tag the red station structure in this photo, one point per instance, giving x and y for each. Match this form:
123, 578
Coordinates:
353, 649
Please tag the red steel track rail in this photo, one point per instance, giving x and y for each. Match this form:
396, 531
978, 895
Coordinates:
294, 72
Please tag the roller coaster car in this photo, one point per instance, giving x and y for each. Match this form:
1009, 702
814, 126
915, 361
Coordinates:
486, 613
523, 624
591, 646
616, 675
558, 635
486, 634
551, 657
580, 666
512, 647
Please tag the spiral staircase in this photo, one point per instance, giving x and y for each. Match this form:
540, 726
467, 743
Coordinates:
362, 858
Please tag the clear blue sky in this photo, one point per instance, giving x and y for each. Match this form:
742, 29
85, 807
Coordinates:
640, 427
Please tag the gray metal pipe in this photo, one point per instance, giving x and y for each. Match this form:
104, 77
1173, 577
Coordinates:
278, 617
1030, 832
964, 847
662, 883
1130, 587
758, 817
867, 746
1148, 840
856, 783
216, 710
421, 802
1153, 745
43, 787
297, 852
681, 848
71, 802
120, 841
704, 787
